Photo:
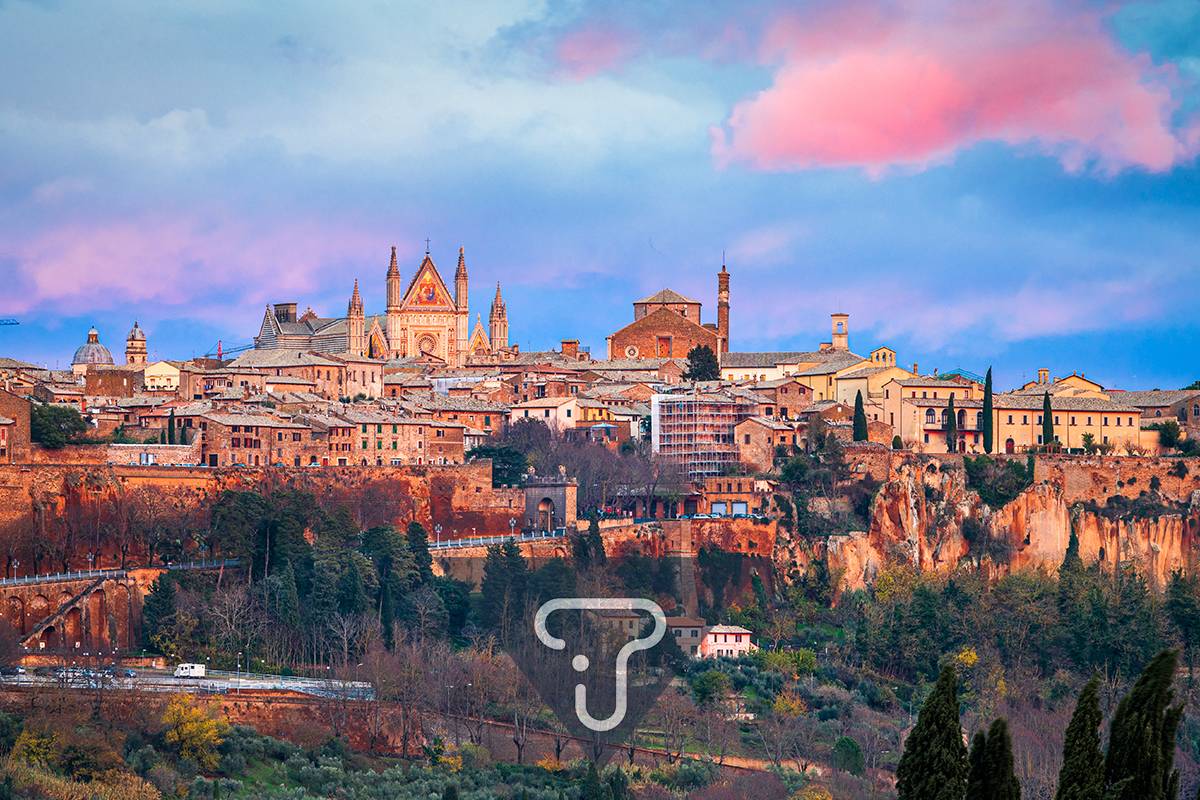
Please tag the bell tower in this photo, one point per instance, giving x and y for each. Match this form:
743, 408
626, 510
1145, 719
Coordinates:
723, 307
839, 325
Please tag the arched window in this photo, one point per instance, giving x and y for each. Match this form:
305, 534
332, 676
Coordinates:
1196, 411
929, 416
979, 420
962, 419
945, 417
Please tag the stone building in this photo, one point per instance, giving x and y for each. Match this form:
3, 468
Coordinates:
550, 502
668, 325
14, 428
423, 320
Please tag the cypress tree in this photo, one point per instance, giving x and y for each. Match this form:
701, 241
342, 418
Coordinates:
595, 542
450, 792
157, 608
934, 764
171, 427
977, 767
1047, 422
1140, 764
991, 766
1002, 783
418, 546
1082, 773
988, 421
951, 428
860, 418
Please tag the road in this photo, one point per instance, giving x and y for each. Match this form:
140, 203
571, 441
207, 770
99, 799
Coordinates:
216, 682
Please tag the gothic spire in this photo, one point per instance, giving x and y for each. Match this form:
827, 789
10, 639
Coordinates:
498, 301
393, 268
461, 272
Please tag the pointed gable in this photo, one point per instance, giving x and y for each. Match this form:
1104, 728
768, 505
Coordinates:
427, 291
479, 344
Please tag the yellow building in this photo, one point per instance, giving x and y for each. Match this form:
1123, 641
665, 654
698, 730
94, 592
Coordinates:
1017, 422
161, 376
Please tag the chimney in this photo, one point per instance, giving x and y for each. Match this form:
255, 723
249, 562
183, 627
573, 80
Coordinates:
1043, 375
916, 370
570, 348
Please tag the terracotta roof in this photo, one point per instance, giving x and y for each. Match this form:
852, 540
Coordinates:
736, 360
1155, 397
666, 296
281, 357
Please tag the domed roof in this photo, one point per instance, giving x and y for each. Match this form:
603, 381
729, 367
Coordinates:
92, 352
136, 334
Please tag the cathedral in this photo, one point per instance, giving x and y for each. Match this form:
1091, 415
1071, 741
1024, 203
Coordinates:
422, 321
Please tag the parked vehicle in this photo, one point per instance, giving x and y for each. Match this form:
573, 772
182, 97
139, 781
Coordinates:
13, 670
190, 671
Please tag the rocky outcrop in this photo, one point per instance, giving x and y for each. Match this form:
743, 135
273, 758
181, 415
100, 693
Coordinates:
925, 516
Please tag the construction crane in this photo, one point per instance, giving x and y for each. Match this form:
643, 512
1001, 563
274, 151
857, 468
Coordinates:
9, 322
220, 352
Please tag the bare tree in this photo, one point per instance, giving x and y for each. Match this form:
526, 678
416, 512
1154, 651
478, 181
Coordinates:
675, 713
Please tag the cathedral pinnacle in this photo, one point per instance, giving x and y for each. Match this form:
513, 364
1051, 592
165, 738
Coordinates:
393, 267
461, 272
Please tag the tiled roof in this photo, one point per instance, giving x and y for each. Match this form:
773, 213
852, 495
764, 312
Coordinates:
838, 362
932, 382
256, 420
863, 372
666, 296
441, 402
735, 360
769, 422
1155, 397
281, 357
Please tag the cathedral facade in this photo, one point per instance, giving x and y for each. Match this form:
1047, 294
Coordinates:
424, 320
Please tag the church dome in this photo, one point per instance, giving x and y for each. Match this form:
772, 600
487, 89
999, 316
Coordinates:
136, 334
92, 352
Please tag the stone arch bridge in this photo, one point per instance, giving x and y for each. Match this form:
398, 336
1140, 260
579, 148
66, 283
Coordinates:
80, 611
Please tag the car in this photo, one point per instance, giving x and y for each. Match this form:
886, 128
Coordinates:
121, 672
15, 669
45, 672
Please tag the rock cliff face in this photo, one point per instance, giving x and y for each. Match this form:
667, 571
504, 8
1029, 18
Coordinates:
926, 516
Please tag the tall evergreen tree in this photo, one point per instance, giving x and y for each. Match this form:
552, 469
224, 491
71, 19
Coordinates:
860, 418
1047, 421
418, 546
977, 767
1183, 608
1140, 764
596, 542
1001, 782
934, 763
157, 608
171, 427
950, 426
1082, 773
988, 416
503, 584
351, 594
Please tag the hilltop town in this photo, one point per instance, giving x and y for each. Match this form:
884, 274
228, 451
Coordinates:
371, 480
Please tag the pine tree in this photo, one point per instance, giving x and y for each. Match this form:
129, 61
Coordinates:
1047, 422
418, 546
988, 421
951, 427
1140, 764
1082, 773
934, 763
450, 792
702, 364
860, 419
351, 594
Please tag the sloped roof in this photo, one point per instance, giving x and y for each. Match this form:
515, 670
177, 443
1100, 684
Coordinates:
667, 296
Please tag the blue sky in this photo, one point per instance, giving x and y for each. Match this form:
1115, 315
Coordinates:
1013, 186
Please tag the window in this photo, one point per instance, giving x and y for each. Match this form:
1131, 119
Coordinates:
364, 444
364, 428
1024, 419
395, 429
747, 439
1039, 419
1118, 422
929, 416
1072, 419
379, 429
1106, 420
1010, 419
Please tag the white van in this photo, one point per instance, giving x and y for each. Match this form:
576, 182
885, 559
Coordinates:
189, 671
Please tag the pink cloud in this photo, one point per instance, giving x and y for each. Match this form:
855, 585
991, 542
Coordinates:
592, 49
859, 87
195, 266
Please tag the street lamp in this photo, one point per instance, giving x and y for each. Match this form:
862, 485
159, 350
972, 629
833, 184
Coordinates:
238, 674
512, 527
437, 530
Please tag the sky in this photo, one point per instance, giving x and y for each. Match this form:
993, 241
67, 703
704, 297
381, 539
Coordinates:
1006, 184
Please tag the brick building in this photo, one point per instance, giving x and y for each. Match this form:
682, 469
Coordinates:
758, 438
695, 430
254, 440
14, 428
668, 325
